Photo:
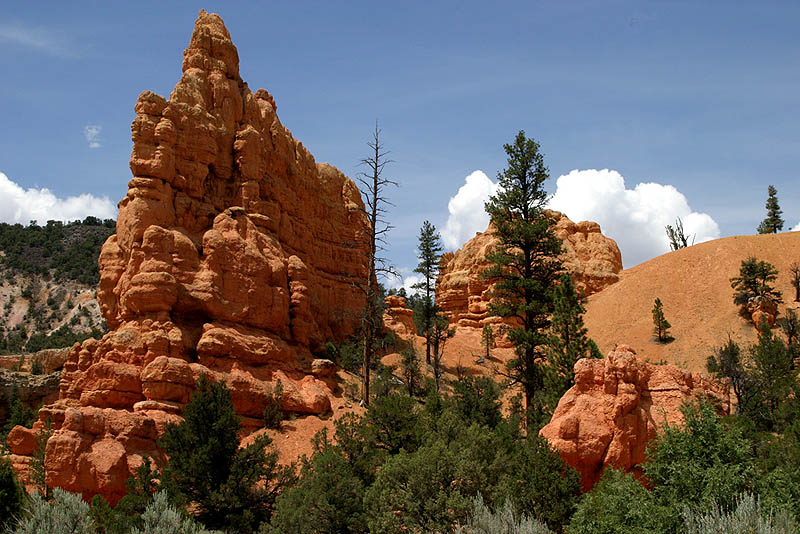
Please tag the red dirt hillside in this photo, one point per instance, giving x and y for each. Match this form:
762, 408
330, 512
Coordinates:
694, 285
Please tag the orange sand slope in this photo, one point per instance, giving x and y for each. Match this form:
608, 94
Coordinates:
694, 286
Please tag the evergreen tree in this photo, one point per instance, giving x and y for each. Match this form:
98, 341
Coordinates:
409, 366
487, 338
440, 333
12, 494
660, 324
227, 486
773, 223
569, 340
727, 362
430, 252
525, 263
755, 280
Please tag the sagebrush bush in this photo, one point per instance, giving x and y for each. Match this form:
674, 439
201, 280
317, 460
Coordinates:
504, 521
746, 517
65, 514
162, 518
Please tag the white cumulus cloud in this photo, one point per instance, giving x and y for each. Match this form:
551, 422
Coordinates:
18, 205
404, 278
92, 134
467, 214
636, 217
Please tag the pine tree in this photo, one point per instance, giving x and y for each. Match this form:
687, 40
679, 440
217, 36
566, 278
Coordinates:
569, 342
430, 252
660, 324
409, 366
12, 494
440, 333
487, 338
525, 263
227, 486
755, 280
773, 223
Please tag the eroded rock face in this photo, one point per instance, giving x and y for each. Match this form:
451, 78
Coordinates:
32, 390
397, 318
593, 260
762, 309
233, 258
616, 408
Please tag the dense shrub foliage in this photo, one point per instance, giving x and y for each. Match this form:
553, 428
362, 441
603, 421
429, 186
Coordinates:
68, 251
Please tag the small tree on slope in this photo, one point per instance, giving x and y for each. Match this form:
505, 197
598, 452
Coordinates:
660, 324
430, 252
773, 223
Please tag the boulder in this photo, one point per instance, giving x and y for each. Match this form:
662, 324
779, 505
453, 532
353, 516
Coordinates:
617, 406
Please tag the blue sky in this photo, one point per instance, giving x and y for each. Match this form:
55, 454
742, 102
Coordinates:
702, 96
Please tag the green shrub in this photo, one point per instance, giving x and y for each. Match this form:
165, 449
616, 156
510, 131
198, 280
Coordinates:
477, 400
273, 414
12, 495
65, 514
327, 498
36, 367
701, 462
541, 484
229, 487
745, 517
618, 504
504, 521
162, 518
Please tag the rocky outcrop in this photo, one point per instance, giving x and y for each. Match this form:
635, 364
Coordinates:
762, 310
593, 260
617, 406
398, 318
32, 390
234, 258
50, 360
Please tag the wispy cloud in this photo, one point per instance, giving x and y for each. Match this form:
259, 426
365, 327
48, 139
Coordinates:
92, 134
37, 38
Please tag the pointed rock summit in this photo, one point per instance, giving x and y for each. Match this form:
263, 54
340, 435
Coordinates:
233, 258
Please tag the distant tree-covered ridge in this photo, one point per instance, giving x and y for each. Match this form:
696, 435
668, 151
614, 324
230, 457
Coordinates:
65, 251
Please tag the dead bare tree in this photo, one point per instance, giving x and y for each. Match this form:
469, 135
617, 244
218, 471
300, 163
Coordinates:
677, 237
372, 185
795, 270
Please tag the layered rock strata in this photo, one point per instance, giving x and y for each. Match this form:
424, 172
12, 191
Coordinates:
234, 257
398, 318
593, 260
617, 406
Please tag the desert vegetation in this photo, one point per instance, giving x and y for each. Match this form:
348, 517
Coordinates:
240, 321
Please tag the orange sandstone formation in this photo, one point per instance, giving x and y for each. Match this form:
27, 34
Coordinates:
397, 318
593, 260
233, 258
616, 407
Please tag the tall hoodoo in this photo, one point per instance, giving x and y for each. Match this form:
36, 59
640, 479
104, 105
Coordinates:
233, 258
